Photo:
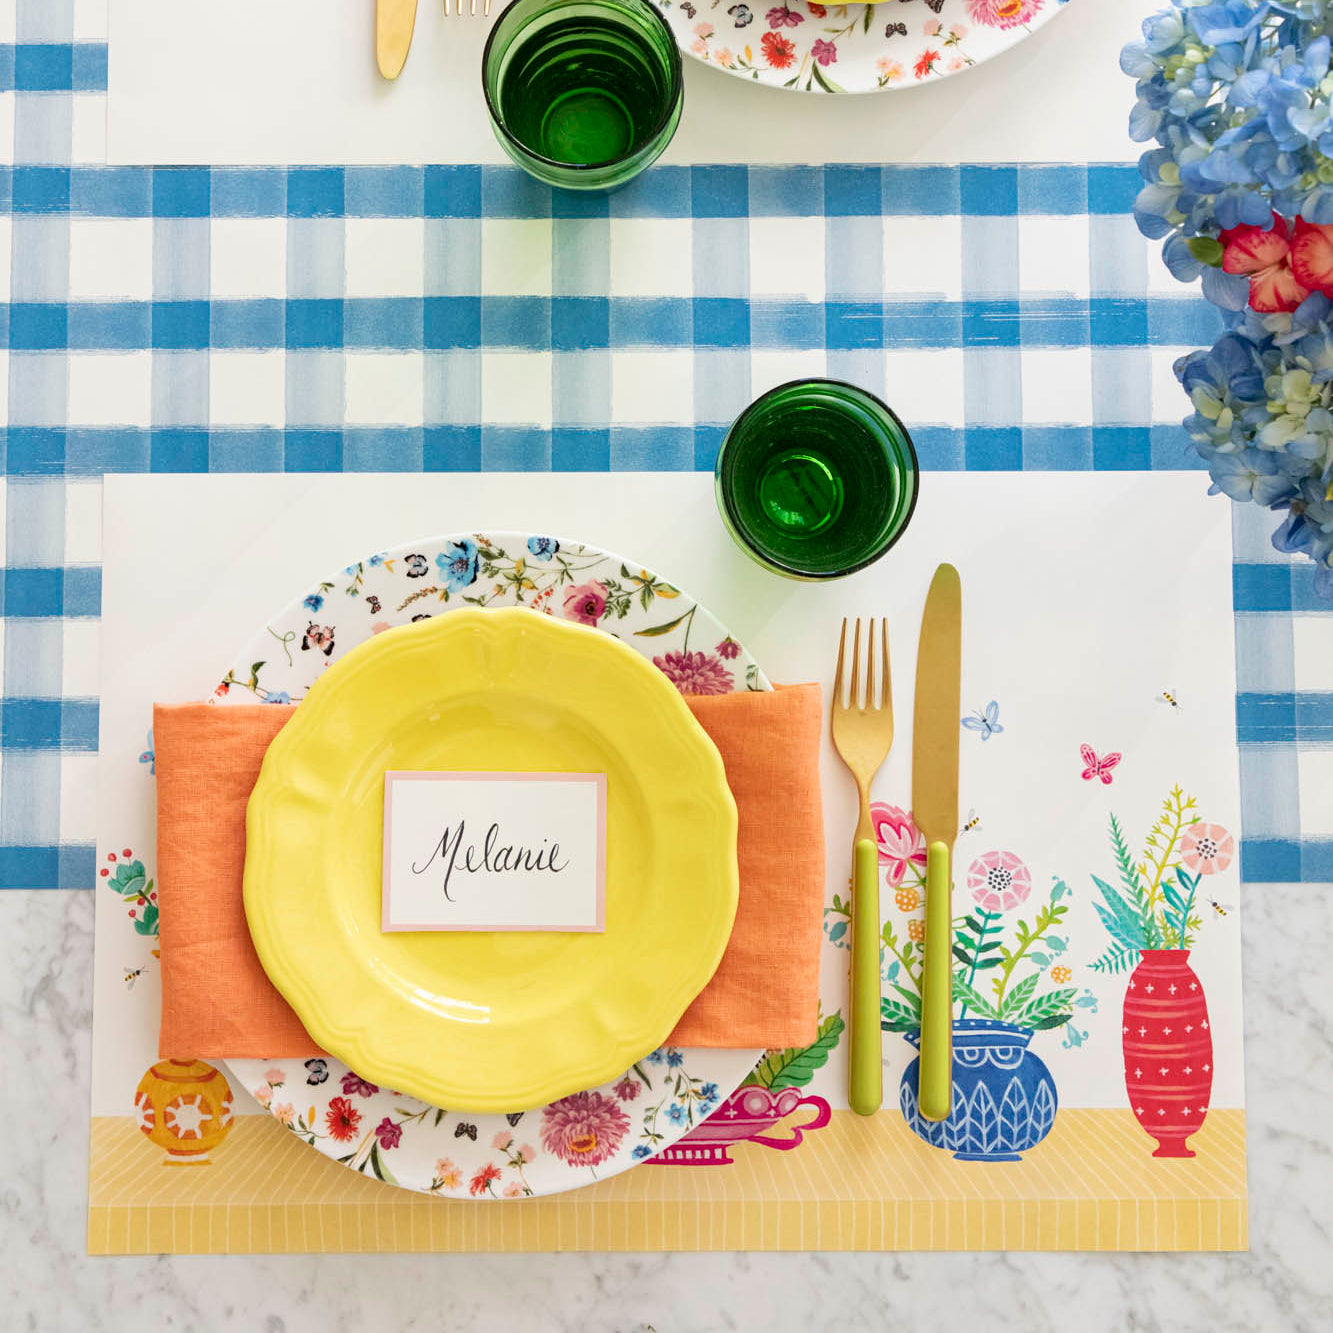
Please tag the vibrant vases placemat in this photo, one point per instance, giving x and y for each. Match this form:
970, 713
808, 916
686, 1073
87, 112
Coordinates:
1098, 1054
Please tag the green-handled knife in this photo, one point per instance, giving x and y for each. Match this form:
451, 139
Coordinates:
935, 724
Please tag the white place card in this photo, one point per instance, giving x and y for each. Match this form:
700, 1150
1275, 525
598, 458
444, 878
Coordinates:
494, 851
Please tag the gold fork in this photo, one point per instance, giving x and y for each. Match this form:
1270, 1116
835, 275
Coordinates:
863, 736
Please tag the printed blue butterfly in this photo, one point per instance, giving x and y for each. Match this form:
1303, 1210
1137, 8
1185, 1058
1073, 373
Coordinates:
148, 757
987, 723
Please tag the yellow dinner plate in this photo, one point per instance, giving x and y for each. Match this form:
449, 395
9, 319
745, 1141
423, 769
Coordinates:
490, 1021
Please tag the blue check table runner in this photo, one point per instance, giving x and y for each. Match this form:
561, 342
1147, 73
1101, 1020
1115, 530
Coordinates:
466, 318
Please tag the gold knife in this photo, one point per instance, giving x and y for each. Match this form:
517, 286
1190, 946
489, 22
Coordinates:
394, 20
935, 726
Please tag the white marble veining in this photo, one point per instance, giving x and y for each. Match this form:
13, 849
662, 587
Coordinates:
47, 1281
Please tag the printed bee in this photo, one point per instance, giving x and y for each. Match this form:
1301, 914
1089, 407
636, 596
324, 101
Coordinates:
1169, 697
1222, 909
973, 821
132, 974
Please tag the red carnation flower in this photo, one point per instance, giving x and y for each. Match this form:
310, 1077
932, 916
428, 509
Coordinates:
481, 1182
778, 51
342, 1119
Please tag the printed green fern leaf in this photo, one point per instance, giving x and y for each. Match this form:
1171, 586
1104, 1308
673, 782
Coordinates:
1118, 958
1129, 875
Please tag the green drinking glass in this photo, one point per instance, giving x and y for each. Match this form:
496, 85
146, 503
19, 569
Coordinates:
816, 479
583, 94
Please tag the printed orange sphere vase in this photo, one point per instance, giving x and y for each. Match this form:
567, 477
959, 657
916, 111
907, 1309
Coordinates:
184, 1106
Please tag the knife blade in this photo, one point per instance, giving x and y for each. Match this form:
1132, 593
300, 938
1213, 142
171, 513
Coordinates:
935, 723
394, 21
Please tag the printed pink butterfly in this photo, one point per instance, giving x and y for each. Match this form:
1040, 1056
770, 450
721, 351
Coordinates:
1098, 768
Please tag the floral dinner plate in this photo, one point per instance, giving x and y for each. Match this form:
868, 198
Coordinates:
851, 48
355, 1118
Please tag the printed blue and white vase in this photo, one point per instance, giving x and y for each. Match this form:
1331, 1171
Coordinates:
1004, 1098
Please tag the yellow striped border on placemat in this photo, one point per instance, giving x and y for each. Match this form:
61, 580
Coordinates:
859, 1184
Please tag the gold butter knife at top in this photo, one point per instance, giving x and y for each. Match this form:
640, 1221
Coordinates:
394, 21
935, 727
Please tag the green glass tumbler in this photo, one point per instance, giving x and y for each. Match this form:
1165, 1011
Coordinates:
583, 94
816, 479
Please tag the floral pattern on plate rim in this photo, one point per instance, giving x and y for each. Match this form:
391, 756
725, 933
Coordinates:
578, 1139
813, 47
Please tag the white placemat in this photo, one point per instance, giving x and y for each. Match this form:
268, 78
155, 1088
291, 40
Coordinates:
1085, 596
255, 82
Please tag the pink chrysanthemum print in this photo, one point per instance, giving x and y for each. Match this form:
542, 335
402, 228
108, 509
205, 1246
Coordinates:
1207, 848
998, 881
1003, 13
695, 673
583, 1130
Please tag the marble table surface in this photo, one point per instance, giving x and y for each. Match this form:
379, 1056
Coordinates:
48, 1282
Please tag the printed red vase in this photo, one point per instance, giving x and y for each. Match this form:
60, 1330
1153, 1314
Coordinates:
1168, 1050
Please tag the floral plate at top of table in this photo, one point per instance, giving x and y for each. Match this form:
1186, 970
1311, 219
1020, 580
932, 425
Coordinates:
851, 48
592, 1134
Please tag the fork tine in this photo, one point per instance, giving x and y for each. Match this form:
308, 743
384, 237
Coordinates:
887, 700
855, 700
837, 678
870, 664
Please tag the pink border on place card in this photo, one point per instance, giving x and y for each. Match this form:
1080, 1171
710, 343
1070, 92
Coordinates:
599, 779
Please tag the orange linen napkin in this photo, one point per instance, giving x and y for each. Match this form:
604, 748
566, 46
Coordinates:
217, 1000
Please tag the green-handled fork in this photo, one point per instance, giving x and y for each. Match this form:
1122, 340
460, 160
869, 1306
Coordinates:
863, 736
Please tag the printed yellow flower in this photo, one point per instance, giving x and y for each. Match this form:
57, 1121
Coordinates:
1060, 974
916, 930
907, 899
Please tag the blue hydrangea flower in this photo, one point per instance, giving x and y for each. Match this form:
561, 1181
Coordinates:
1263, 422
457, 564
278, 697
709, 1092
314, 602
676, 1112
657, 1057
641, 1151
1252, 474
1237, 97
674, 1059
542, 548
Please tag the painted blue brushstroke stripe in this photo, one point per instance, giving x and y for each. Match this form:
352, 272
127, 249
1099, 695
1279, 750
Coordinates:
1285, 719
70, 865
48, 724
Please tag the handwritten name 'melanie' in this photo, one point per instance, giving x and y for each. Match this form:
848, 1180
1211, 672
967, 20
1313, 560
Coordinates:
491, 858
